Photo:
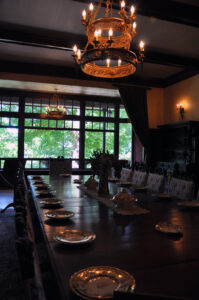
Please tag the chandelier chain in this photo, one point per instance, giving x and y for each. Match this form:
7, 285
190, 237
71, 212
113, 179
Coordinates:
97, 9
111, 8
108, 8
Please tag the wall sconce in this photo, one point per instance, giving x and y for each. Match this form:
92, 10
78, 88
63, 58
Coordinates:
180, 108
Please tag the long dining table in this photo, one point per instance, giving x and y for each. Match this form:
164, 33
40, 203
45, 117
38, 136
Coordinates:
161, 264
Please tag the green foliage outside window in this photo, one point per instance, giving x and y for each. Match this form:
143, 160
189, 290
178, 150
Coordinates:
125, 141
45, 143
93, 141
110, 142
9, 142
123, 113
51, 143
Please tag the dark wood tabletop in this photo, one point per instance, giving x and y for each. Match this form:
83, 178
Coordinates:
161, 264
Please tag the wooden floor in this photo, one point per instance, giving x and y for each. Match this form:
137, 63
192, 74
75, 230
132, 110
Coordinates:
11, 286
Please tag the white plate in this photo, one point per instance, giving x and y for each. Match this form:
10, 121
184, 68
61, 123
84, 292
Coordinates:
74, 236
59, 214
100, 282
168, 228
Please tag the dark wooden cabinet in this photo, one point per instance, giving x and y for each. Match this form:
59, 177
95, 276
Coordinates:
176, 143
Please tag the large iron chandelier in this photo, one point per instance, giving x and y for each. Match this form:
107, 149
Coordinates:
55, 110
107, 53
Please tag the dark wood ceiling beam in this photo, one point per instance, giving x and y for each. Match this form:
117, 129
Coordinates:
59, 71
165, 10
185, 74
55, 41
39, 37
80, 97
155, 57
73, 73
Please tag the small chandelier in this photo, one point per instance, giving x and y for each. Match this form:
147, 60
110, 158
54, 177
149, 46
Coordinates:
107, 53
55, 111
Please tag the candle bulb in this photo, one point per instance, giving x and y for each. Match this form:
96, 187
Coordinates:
177, 106
99, 32
132, 10
75, 50
78, 54
108, 62
84, 15
122, 4
96, 35
119, 62
141, 45
110, 33
134, 26
91, 8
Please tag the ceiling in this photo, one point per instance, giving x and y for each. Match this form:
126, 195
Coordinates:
36, 38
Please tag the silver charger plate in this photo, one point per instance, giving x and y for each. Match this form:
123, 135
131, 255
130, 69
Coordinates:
74, 236
44, 193
100, 282
125, 183
51, 201
36, 177
168, 228
140, 188
189, 204
42, 187
37, 181
113, 179
77, 181
162, 196
65, 175
59, 214
42, 184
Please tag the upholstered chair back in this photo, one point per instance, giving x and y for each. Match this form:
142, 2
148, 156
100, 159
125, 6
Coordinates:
155, 183
139, 178
126, 174
60, 166
181, 189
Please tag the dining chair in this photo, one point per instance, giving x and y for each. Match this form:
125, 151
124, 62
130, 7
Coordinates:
126, 175
60, 166
155, 183
181, 189
111, 173
139, 178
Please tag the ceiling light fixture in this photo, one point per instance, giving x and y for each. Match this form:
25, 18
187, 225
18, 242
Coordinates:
55, 111
107, 53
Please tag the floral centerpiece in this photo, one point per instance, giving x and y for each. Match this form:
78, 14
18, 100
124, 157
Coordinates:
101, 163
